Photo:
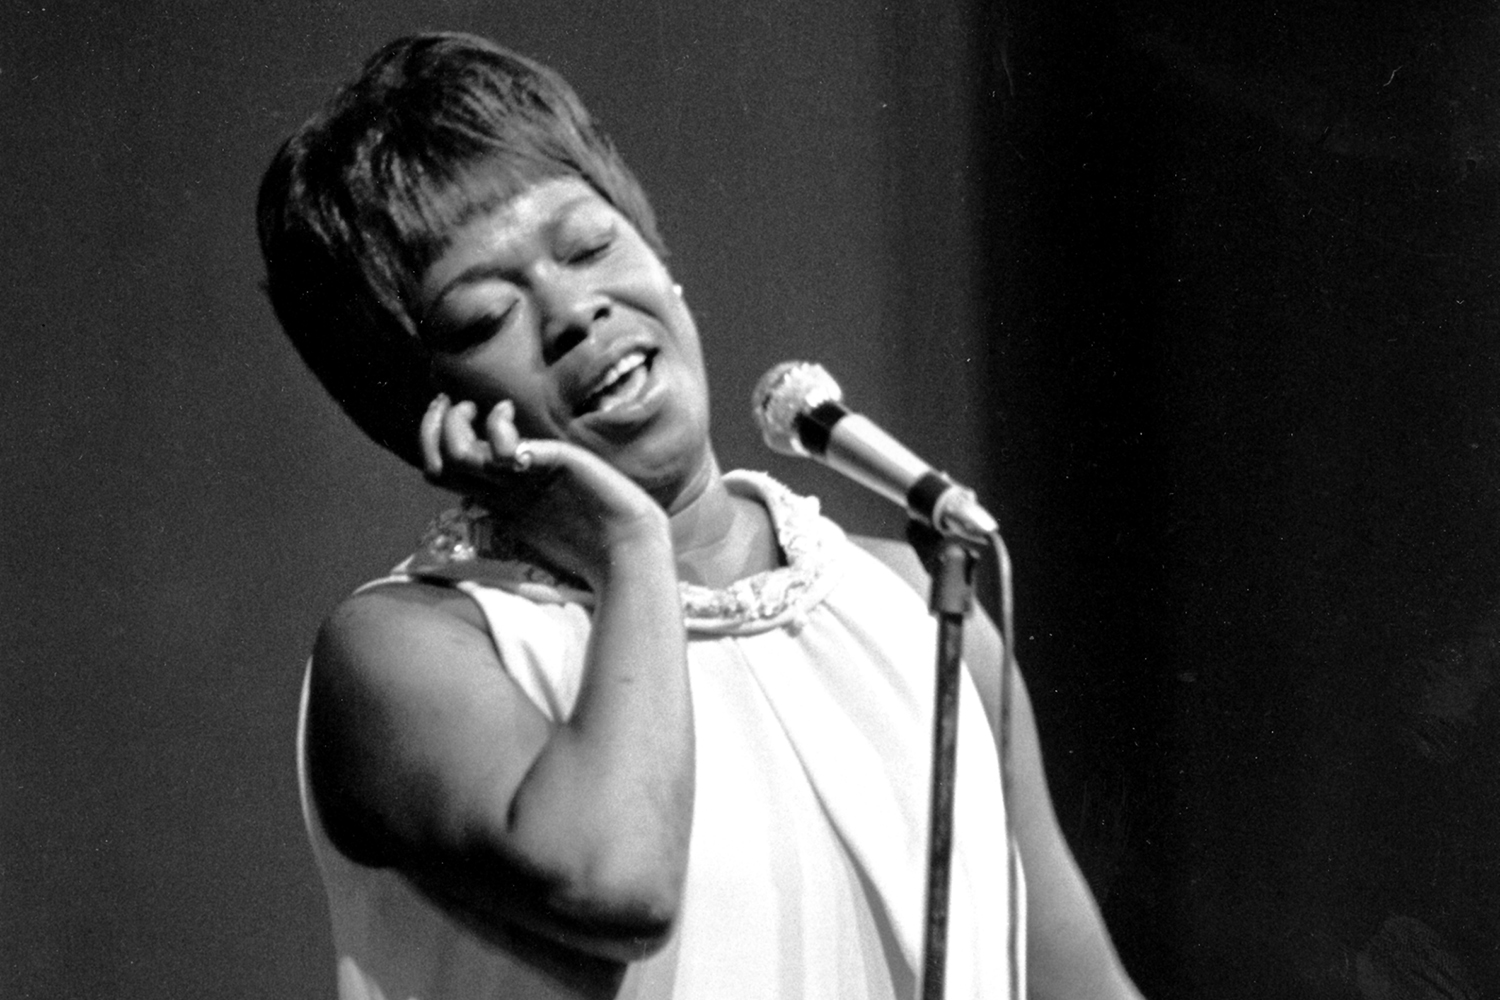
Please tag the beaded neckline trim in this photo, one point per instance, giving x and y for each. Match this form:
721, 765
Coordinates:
462, 538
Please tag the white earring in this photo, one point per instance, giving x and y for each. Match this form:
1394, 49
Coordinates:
678, 290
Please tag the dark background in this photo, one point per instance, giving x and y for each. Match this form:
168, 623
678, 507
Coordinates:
1201, 296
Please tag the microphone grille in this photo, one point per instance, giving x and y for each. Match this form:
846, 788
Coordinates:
783, 394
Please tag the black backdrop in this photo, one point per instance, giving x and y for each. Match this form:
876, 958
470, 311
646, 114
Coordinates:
1245, 258
1203, 299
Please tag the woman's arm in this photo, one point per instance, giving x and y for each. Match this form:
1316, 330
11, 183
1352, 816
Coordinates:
424, 754
1069, 955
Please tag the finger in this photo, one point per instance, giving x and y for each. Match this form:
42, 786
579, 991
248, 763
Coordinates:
459, 440
500, 429
539, 453
431, 435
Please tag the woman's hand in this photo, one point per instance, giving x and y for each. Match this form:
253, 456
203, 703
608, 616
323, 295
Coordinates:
565, 502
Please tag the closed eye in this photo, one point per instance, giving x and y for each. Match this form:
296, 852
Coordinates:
588, 246
458, 337
585, 255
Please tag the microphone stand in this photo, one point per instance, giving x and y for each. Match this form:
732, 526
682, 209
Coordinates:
952, 595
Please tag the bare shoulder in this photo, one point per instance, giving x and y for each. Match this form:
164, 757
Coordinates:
406, 690
356, 640
384, 646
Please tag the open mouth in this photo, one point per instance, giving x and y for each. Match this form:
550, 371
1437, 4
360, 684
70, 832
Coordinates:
622, 384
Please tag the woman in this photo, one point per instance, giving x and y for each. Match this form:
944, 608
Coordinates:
625, 725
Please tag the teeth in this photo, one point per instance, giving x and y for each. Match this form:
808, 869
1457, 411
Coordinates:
619, 368
617, 383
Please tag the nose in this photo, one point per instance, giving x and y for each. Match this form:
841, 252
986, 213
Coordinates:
570, 308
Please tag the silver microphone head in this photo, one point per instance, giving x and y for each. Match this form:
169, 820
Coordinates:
784, 393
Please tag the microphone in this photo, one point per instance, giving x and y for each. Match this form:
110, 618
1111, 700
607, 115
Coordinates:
800, 411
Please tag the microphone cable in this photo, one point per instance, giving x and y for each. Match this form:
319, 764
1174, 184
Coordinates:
1015, 943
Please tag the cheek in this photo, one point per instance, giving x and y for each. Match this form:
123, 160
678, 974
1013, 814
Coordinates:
455, 379
533, 420
462, 383
487, 381
488, 370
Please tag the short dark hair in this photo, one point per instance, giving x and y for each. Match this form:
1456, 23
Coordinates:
360, 200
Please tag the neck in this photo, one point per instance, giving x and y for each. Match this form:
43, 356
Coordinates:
719, 537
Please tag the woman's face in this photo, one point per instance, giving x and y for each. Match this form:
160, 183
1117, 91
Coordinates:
554, 302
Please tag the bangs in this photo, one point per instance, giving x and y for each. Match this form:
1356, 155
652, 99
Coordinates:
425, 206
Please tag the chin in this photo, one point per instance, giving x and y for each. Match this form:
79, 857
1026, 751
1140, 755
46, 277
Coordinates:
673, 479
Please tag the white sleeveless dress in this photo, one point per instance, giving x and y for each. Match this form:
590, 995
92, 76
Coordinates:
812, 701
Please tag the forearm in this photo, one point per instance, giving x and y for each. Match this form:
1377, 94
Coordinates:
1069, 953
1069, 956
605, 811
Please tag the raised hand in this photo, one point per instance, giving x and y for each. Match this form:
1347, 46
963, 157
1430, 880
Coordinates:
560, 499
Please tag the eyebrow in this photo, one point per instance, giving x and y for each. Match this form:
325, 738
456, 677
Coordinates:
483, 270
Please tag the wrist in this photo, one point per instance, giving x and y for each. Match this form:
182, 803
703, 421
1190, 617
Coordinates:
638, 549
